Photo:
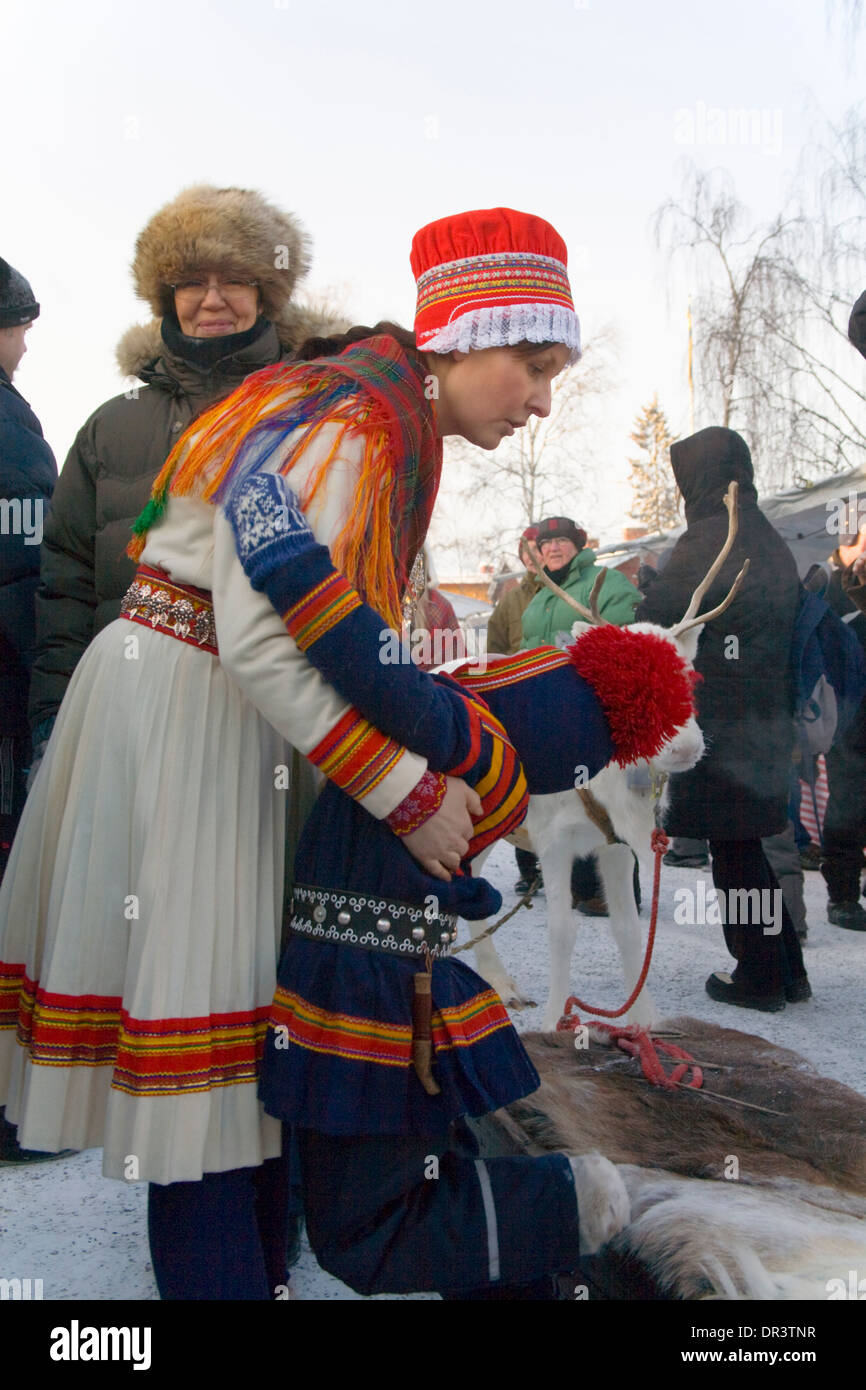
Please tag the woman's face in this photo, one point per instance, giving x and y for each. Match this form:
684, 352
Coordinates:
212, 305
558, 552
485, 395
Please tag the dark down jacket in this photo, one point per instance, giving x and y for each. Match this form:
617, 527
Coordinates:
739, 790
103, 486
27, 477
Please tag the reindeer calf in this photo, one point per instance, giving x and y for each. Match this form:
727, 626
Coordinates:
615, 818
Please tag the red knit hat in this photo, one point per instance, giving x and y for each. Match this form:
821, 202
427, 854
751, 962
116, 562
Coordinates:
492, 278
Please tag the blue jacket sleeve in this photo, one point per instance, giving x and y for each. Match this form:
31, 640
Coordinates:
348, 642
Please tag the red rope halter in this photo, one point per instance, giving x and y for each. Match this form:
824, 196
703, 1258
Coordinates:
631, 1038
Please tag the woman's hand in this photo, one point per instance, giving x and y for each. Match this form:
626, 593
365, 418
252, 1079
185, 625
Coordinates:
441, 842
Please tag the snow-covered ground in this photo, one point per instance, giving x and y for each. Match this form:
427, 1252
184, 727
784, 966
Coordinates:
86, 1237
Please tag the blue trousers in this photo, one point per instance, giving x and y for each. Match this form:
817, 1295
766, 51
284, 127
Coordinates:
388, 1214
223, 1237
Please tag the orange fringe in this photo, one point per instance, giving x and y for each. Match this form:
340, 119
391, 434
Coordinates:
205, 455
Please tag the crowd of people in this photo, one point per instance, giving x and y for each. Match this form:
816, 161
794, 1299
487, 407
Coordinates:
738, 810
230, 894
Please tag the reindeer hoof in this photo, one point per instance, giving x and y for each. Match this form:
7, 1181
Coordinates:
603, 1206
551, 1016
509, 992
644, 1012
519, 1001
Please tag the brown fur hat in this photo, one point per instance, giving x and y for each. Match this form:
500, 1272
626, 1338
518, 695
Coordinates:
232, 229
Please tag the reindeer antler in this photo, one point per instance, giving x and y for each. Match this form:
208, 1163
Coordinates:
691, 618
593, 598
590, 614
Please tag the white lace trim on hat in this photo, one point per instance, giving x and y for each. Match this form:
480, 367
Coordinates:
506, 325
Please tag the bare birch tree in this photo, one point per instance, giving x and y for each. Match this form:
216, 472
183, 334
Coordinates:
772, 308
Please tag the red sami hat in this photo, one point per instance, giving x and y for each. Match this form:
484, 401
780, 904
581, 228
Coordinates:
492, 278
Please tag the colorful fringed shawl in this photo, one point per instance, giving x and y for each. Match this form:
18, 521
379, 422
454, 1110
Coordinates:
374, 388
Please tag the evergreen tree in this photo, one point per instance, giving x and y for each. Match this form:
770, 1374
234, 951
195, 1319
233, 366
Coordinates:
652, 482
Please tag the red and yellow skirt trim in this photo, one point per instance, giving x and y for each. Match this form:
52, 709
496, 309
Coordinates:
359, 1039
150, 1057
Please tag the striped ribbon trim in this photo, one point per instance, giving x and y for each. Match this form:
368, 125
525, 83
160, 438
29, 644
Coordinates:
355, 756
358, 1039
508, 670
503, 790
505, 276
14, 983
321, 610
151, 1057
179, 1056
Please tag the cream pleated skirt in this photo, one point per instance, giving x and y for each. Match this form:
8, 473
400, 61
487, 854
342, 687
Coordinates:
140, 917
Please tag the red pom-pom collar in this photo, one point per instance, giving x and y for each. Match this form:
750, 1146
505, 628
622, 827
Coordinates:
642, 683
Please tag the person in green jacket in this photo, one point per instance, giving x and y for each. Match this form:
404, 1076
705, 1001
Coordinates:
572, 566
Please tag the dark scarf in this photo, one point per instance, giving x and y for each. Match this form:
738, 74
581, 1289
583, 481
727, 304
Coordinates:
558, 575
205, 353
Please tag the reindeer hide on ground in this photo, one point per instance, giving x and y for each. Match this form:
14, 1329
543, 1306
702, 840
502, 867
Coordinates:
726, 1201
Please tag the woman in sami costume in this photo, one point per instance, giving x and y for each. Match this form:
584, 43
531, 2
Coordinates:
141, 911
345, 1059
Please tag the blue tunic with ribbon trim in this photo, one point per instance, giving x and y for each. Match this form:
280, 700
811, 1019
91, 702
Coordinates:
338, 1057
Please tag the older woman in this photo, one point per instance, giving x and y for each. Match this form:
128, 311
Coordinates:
218, 267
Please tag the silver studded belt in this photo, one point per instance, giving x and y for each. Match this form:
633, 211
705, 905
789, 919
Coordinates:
373, 924
180, 610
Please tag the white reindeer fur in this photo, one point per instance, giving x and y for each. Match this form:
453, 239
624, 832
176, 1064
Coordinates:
559, 830
776, 1240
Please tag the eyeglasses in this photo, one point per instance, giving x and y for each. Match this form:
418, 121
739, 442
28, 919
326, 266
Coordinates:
195, 287
552, 540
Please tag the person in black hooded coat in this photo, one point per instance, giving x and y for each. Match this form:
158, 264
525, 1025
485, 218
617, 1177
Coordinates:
738, 792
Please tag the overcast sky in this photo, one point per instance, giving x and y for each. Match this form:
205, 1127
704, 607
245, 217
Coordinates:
368, 118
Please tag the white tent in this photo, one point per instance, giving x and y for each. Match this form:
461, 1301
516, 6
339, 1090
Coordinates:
808, 518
